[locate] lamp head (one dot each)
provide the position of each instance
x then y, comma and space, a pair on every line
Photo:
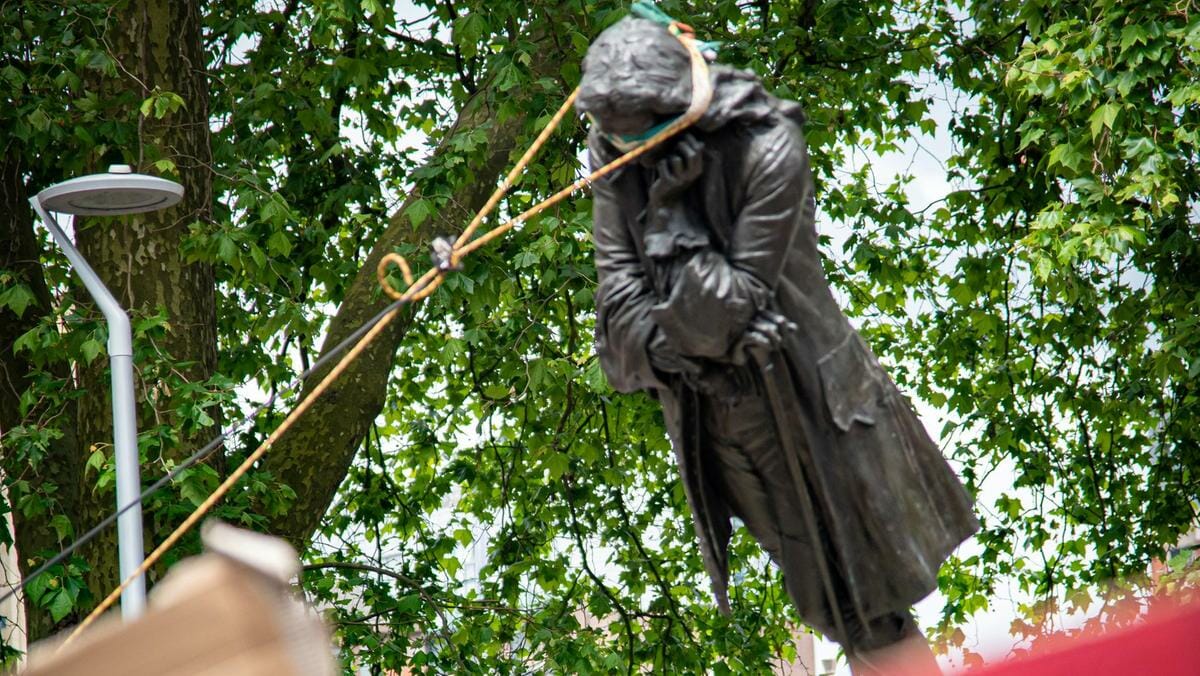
120, 191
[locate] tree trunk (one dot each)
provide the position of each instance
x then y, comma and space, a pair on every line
158, 44
62, 464
315, 454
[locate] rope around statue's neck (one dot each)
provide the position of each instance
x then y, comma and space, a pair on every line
701, 98
425, 285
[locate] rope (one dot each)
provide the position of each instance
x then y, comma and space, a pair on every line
426, 284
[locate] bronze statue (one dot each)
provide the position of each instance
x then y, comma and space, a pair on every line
712, 298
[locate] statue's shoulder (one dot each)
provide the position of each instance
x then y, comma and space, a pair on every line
773, 140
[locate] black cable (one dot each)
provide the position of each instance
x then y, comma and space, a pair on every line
203, 452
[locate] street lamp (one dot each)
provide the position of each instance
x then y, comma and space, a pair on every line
120, 191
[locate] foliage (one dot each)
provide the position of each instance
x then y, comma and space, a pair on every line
1059, 288
508, 512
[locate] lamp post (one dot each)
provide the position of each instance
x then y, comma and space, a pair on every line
120, 191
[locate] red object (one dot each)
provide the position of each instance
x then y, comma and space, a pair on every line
1165, 644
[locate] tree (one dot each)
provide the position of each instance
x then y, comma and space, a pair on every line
1059, 289
137, 95
1055, 288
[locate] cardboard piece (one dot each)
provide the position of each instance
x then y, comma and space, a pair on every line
213, 614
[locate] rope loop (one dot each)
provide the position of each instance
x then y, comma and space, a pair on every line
381, 273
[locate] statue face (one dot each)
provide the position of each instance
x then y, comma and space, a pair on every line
628, 130
624, 122
636, 76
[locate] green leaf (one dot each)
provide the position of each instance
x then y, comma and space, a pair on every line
1066, 156
1103, 117
594, 378
193, 489
38, 587
59, 604
39, 120
257, 255
468, 31
278, 243
464, 536
90, 349
557, 464
1030, 137
1131, 35
166, 103
418, 212
17, 297
62, 527
509, 77
95, 461
226, 249
28, 341
1181, 559
496, 391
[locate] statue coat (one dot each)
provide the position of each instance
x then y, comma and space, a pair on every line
890, 508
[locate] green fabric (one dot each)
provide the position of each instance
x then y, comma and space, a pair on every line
649, 10
629, 141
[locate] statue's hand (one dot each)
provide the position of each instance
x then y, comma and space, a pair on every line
677, 171
766, 331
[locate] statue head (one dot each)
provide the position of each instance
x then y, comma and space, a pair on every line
636, 76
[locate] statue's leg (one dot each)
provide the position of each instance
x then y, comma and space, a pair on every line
895, 646
741, 484
755, 479
752, 474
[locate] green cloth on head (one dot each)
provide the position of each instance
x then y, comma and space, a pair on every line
650, 11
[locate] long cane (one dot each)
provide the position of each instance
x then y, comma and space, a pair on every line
773, 369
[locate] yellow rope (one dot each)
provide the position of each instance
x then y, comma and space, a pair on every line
422, 287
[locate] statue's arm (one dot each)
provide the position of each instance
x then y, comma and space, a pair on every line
779, 201
717, 295
624, 328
